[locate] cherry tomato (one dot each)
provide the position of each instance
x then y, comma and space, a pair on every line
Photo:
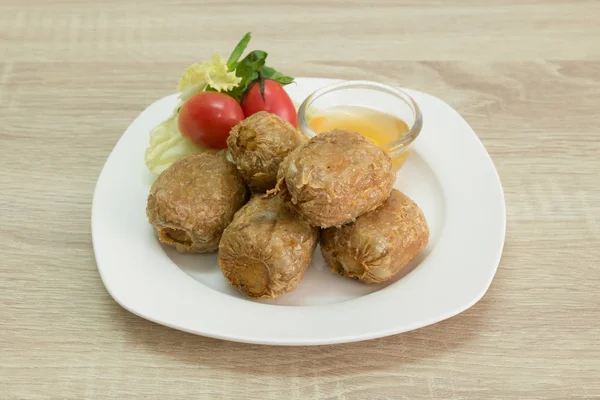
276, 101
207, 117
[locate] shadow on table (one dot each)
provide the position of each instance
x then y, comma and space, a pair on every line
448, 336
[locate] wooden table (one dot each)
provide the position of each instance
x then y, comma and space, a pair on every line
525, 75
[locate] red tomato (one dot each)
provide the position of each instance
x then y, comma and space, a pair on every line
276, 101
207, 117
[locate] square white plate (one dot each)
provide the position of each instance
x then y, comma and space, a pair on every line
449, 174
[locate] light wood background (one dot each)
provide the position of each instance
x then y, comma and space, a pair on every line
525, 75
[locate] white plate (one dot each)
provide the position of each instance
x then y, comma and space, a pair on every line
449, 174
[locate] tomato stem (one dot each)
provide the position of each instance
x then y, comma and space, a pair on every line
261, 85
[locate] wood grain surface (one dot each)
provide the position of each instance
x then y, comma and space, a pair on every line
524, 74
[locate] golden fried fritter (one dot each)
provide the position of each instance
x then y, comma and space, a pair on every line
258, 144
266, 249
380, 243
192, 202
335, 178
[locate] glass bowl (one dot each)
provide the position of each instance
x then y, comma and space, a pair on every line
371, 95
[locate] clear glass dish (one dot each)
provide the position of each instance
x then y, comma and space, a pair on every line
372, 95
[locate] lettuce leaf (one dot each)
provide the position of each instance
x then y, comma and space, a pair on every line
214, 73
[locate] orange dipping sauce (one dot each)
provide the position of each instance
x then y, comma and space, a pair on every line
379, 127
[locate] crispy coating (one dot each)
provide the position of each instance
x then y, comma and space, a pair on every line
266, 249
192, 202
258, 144
336, 177
380, 243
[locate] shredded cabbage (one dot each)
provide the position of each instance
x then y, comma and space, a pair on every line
167, 145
